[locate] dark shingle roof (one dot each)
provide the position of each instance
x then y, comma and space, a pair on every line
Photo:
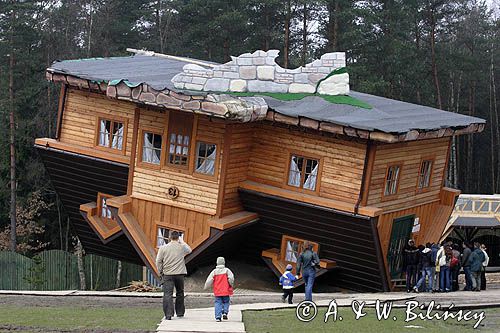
387, 115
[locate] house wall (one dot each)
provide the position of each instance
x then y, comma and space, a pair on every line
196, 192
410, 155
80, 116
341, 166
429, 206
151, 215
240, 140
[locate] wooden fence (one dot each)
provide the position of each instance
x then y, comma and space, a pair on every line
58, 270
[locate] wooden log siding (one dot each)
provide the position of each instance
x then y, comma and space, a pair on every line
342, 168
349, 240
409, 155
81, 111
150, 215
196, 193
240, 146
77, 180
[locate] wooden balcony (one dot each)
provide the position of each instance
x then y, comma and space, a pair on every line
106, 229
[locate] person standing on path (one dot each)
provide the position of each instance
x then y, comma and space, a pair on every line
426, 265
465, 262
286, 282
476, 264
172, 268
410, 263
485, 264
307, 262
222, 280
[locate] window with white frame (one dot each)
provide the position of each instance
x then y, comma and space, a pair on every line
180, 127
392, 179
111, 134
151, 147
163, 235
104, 210
303, 172
205, 158
424, 176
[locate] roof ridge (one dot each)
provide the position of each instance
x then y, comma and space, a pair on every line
168, 56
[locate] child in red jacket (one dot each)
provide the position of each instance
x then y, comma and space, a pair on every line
222, 280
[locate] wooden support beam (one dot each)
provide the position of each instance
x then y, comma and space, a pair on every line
90, 152
133, 152
311, 199
60, 110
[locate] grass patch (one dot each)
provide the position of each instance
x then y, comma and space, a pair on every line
334, 99
79, 318
284, 321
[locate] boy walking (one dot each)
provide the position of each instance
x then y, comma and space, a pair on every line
222, 281
286, 281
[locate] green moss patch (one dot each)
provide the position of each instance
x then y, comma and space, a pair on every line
337, 99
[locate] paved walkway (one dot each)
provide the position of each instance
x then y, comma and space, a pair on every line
202, 320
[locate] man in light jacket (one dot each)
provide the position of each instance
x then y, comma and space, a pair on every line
172, 268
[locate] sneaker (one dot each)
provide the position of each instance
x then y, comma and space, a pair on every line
217, 320
168, 318
415, 290
224, 316
180, 316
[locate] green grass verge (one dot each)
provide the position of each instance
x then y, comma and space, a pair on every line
78, 318
284, 321
334, 99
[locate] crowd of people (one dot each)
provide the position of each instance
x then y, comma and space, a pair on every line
436, 267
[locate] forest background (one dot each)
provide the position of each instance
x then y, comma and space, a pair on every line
440, 53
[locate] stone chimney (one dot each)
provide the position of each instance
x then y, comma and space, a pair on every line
258, 72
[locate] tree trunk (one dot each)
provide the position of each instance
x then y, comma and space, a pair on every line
417, 45
81, 267
266, 42
226, 50
492, 125
304, 35
433, 58
118, 275
13, 185
286, 48
59, 220
333, 8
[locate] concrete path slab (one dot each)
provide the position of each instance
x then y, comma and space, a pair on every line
202, 320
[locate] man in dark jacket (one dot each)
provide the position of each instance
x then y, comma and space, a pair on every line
465, 263
410, 261
426, 264
307, 262
476, 264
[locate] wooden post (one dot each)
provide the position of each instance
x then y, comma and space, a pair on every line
133, 152
225, 160
60, 110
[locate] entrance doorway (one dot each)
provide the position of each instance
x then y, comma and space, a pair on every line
400, 234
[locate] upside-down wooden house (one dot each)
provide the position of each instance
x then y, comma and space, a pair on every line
249, 159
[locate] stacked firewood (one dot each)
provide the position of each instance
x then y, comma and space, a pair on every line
139, 286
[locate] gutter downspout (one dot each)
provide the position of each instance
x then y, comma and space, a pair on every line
363, 179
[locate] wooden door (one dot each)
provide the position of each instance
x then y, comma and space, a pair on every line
401, 232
